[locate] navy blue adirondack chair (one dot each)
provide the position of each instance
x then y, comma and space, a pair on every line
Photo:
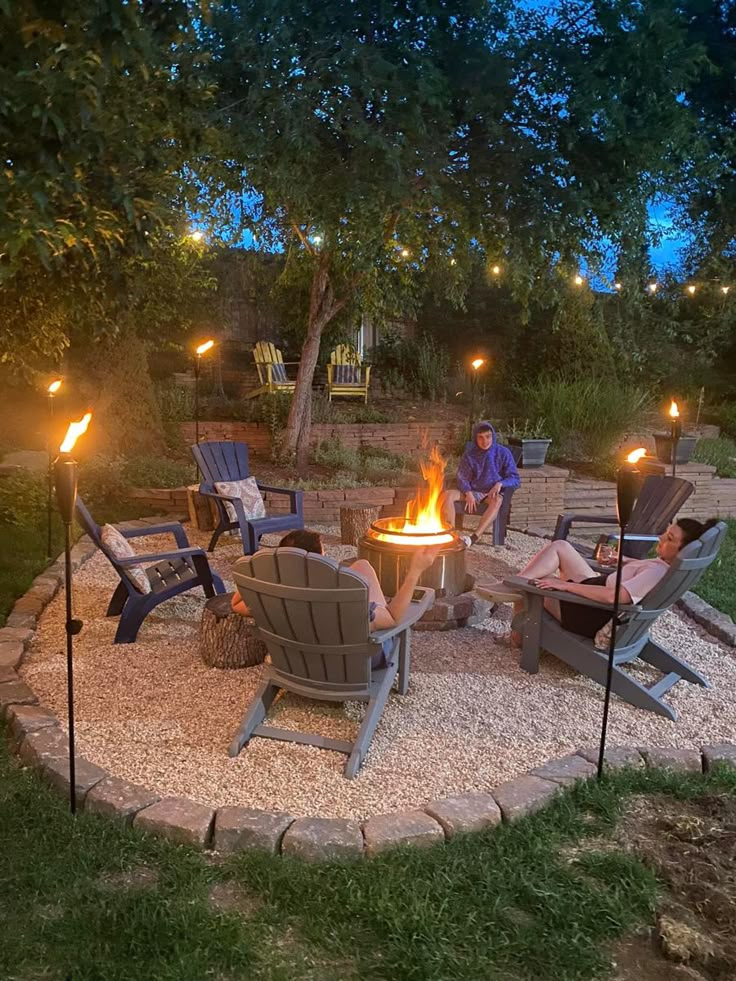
223, 460
169, 573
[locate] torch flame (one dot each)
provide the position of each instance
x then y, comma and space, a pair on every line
636, 455
75, 430
674, 411
423, 518
204, 348
478, 363
54, 387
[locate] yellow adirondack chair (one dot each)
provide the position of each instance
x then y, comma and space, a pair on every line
346, 375
271, 370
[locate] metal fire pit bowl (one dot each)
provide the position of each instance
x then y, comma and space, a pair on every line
446, 575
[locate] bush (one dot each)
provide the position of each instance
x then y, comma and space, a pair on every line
725, 417
153, 471
719, 453
23, 498
106, 480
585, 419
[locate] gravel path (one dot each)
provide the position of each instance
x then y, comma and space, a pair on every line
152, 713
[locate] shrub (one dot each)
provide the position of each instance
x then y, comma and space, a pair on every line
336, 456
23, 498
725, 417
719, 453
152, 471
585, 419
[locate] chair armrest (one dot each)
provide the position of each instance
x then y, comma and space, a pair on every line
524, 586
174, 527
565, 521
417, 609
279, 490
178, 553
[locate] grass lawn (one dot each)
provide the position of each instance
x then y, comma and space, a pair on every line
718, 585
85, 899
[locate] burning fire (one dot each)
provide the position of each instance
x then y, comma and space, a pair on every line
674, 411
636, 455
204, 348
54, 387
423, 519
75, 430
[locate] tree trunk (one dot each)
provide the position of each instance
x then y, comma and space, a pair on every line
322, 308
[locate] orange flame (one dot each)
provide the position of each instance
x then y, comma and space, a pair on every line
674, 411
204, 348
636, 455
54, 387
478, 363
75, 430
423, 518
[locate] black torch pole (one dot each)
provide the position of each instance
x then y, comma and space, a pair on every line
197, 366
676, 433
626, 493
50, 476
65, 471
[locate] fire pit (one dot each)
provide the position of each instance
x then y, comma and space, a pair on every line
389, 543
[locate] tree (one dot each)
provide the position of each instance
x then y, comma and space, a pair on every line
373, 142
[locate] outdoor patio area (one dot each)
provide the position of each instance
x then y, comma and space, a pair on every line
154, 714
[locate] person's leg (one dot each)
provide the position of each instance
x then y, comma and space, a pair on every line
493, 506
558, 559
447, 505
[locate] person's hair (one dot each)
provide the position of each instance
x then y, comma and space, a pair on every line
483, 427
310, 541
692, 529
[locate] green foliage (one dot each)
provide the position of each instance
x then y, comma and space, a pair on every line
718, 585
526, 429
175, 402
725, 416
366, 464
23, 499
585, 419
104, 481
420, 367
719, 453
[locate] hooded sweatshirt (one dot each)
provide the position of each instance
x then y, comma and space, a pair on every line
480, 469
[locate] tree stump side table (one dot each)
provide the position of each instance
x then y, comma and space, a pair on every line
227, 639
355, 520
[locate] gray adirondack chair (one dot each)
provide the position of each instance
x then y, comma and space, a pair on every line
659, 500
540, 630
313, 617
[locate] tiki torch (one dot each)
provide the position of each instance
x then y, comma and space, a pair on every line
51, 391
202, 349
627, 490
65, 474
676, 424
476, 364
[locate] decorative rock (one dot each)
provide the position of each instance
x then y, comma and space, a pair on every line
524, 795
48, 743
25, 719
7, 675
680, 760
18, 635
15, 693
11, 654
719, 753
316, 839
22, 620
714, 621
181, 820
241, 828
55, 770
465, 813
385, 831
566, 770
32, 602
614, 758
116, 798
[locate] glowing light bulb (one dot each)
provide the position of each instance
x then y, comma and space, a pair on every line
652, 287
496, 270
617, 286
691, 289
579, 280
197, 236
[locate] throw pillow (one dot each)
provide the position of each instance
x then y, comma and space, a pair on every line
119, 548
347, 374
248, 492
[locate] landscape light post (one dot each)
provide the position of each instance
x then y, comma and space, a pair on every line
51, 392
627, 491
65, 474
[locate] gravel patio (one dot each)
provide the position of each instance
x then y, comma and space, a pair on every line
153, 713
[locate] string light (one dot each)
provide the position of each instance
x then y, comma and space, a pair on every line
617, 286
652, 287
197, 236
496, 270
579, 280
691, 290
725, 289
405, 253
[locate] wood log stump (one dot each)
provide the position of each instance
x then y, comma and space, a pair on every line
202, 510
227, 639
355, 520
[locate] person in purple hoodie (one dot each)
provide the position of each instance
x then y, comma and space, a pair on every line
485, 471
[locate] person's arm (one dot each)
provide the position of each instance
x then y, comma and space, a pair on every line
389, 615
507, 469
465, 474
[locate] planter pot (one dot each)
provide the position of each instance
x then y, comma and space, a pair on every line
529, 452
685, 448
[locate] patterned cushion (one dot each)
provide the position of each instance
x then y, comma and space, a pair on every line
119, 548
346, 374
248, 492
278, 372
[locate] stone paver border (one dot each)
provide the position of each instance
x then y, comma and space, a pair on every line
37, 738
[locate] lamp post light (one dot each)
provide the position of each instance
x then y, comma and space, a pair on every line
51, 392
676, 432
627, 491
476, 364
65, 474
